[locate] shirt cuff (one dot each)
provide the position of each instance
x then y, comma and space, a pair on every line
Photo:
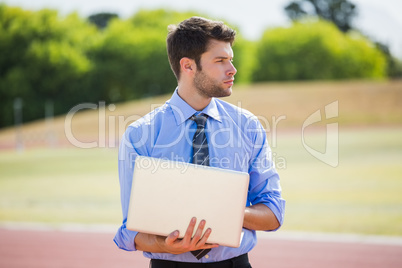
124, 239
278, 212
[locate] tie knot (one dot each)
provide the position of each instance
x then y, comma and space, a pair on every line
201, 119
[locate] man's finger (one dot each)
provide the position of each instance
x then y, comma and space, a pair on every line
189, 232
172, 237
204, 238
198, 233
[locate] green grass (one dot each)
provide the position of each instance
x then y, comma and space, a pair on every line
64, 185
361, 195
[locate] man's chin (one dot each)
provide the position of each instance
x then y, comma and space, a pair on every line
227, 92
223, 94
217, 92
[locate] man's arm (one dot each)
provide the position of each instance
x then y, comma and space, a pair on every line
260, 218
172, 244
267, 211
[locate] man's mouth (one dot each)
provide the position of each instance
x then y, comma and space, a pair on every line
229, 82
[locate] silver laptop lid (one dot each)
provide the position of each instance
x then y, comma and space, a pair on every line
166, 194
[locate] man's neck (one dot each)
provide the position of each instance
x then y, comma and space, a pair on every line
193, 98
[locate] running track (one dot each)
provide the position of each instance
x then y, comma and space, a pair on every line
52, 248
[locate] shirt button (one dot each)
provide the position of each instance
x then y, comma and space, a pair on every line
207, 256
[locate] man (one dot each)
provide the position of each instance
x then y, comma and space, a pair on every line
200, 55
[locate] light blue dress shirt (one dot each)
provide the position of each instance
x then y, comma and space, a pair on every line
236, 140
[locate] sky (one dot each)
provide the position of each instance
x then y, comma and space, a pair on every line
378, 19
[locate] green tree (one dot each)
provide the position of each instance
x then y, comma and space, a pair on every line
43, 58
340, 12
69, 60
159, 19
394, 65
130, 63
101, 20
316, 50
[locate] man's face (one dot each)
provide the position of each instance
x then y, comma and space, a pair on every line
217, 74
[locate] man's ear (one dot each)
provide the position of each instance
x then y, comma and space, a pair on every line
188, 65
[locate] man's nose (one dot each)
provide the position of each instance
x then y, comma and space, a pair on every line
232, 70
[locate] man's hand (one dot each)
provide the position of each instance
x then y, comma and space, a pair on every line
172, 244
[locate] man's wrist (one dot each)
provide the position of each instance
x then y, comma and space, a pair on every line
159, 241
149, 243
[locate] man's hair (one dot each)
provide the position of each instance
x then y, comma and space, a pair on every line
191, 37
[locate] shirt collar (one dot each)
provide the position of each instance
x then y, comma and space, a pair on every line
183, 111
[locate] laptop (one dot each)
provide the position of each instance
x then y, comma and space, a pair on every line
166, 194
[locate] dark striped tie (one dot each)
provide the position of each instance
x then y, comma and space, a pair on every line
200, 144
200, 157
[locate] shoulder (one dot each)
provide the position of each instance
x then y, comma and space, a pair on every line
245, 121
138, 134
152, 118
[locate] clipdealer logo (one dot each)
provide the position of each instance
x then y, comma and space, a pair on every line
331, 154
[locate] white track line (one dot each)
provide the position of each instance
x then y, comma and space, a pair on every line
63, 227
279, 235
332, 237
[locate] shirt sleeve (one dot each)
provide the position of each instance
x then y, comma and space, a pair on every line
264, 185
128, 151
